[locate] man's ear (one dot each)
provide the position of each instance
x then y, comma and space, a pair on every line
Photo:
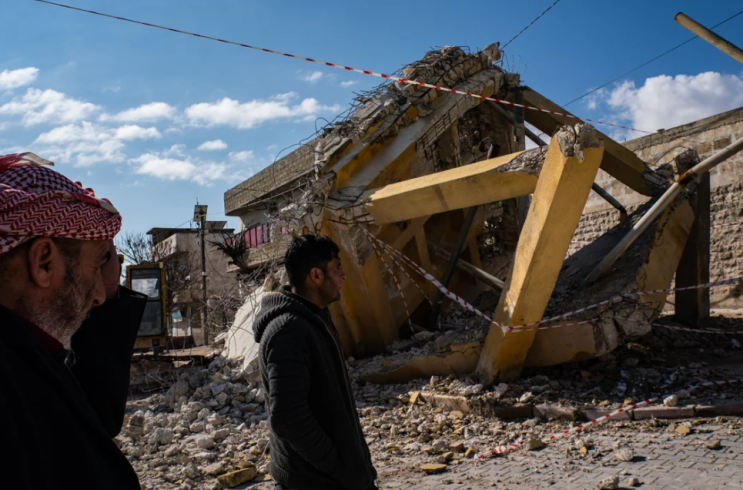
317, 276
45, 263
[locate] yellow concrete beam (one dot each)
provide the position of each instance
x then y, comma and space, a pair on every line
556, 208
456, 188
619, 162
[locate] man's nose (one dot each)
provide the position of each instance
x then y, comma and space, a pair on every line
99, 292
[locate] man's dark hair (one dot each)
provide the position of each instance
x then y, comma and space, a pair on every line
306, 252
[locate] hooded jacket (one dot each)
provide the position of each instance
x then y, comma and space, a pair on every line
316, 438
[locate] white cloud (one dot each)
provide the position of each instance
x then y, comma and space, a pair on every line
87, 144
313, 77
133, 132
247, 115
11, 79
349, 83
163, 167
212, 145
665, 101
84, 144
71, 133
48, 106
153, 111
175, 150
166, 168
241, 156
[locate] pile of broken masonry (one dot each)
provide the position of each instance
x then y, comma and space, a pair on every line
210, 429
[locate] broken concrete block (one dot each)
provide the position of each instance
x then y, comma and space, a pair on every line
214, 468
457, 447
534, 444
432, 469
235, 478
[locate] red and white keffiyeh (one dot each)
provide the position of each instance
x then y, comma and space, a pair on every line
35, 200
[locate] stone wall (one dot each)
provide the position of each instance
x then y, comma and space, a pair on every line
706, 136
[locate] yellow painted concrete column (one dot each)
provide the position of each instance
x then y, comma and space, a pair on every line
557, 205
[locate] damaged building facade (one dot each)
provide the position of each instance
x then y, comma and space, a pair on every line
180, 251
445, 180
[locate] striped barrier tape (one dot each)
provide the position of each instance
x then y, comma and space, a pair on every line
508, 329
732, 223
499, 450
397, 283
433, 280
410, 278
342, 67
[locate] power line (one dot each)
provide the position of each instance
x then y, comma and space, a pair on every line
342, 67
648, 62
530, 24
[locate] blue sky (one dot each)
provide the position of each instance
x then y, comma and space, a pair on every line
155, 120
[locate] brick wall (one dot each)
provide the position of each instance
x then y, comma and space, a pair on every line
706, 136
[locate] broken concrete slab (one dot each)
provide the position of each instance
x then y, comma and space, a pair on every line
458, 359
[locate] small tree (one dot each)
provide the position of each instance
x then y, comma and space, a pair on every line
235, 248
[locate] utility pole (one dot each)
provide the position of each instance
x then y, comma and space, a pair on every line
715, 40
199, 216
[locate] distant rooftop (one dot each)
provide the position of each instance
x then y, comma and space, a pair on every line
160, 234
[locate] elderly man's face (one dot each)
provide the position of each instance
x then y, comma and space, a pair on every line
72, 283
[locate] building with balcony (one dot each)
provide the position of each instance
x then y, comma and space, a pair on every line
180, 251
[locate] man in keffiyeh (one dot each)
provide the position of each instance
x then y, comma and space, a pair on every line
67, 332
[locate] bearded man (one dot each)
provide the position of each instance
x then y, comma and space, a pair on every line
64, 354
316, 438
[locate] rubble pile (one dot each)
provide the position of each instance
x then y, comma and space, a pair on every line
659, 363
409, 438
209, 430
210, 424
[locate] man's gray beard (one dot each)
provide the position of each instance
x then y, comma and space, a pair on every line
63, 315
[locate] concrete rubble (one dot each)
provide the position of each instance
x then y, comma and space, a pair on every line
210, 429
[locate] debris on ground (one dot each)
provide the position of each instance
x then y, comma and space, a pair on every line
610, 483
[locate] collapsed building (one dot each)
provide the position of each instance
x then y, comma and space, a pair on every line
447, 181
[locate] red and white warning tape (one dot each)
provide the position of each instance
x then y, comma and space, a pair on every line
732, 223
397, 283
404, 271
342, 67
513, 328
512, 447
420, 270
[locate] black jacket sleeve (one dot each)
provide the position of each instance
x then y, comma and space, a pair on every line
101, 353
288, 371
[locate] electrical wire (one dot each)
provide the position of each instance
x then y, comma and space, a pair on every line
530, 24
335, 65
648, 62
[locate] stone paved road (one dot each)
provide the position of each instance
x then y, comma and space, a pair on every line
662, 461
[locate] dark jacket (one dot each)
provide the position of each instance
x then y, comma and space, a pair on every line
61, 410
316, 437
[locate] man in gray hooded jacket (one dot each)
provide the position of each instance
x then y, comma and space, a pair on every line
316, 438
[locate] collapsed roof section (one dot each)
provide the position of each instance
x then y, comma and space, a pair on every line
379, 114
408, 163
